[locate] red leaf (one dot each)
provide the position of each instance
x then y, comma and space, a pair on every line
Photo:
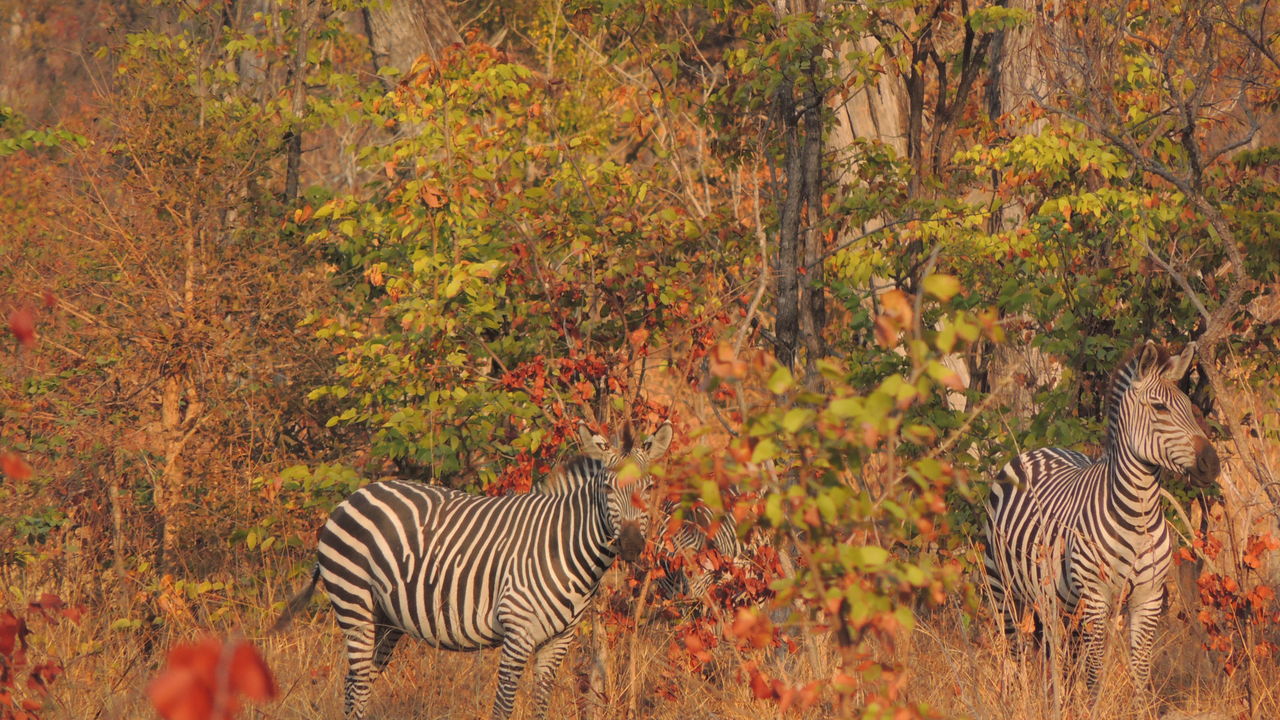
73, 613
14, 466
43, 675
197, 675
50, 300
22, 323
13, 633
46, 603
250, 675
180, 693
761, 686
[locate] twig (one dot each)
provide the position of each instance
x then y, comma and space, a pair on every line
741, 335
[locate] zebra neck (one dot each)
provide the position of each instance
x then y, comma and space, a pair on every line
1134, 486
596, 533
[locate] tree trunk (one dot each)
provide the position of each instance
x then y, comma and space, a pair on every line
800, 313
298, 73
402, 30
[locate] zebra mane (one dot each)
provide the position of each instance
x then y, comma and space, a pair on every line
570, 476
1139, 362
1129, 370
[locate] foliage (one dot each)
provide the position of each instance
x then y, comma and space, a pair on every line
247, 278
24, 684
504, 267
1239, 620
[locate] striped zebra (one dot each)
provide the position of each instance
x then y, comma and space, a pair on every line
466, 572
691, 561
1067, 533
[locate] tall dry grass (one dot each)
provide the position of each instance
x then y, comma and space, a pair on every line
956, 666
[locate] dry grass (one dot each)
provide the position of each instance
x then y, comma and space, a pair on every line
956, 669
973, 673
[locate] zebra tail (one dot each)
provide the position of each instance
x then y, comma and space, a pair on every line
297, 604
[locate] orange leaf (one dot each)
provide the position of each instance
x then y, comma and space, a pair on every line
199, 676
250, 675
897, 305
22, 323
725, 364
638, 337
14, 466
432, 196
886, 331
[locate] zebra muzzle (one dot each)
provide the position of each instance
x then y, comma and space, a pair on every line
630, 541
1207, 466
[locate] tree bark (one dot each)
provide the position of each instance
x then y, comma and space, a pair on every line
298, 104
400, 31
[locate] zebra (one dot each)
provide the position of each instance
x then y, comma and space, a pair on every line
1089, 533
684, 567
466, 572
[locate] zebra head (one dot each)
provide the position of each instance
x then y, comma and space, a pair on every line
1156, 421
627, 464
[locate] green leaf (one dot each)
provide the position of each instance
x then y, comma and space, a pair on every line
773, 510
797, 418
943, 287
866, 557
781, 381
766, 449
709, 491
846, 407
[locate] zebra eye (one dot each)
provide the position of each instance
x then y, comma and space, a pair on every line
1159, 407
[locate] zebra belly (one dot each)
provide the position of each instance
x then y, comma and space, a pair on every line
1029, 550
443, 616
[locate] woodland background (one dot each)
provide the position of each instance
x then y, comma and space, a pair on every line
258, 253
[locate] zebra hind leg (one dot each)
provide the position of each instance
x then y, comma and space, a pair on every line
544, 671
360, 631
385, 639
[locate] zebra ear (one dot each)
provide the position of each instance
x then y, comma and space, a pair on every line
593, 445
656, 444
1180, 364
1150, 361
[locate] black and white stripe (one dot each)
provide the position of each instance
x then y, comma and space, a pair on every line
465, 572
1067, 533
695, 560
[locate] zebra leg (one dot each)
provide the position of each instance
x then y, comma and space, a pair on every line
385, 639
1143, 618
544, 671
360, 632
516, 651
1094, 628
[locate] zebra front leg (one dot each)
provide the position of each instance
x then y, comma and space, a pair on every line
1143, 618
516, 651
544, 670
1095, 634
